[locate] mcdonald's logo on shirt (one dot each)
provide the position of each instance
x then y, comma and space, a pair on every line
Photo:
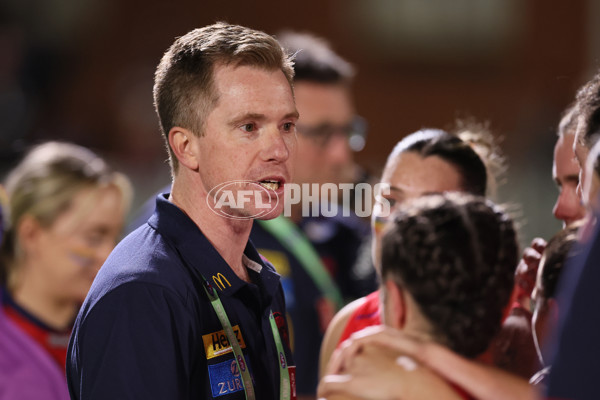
220, 281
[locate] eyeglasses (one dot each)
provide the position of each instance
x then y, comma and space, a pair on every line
355, 131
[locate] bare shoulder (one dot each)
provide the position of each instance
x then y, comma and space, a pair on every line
334, 332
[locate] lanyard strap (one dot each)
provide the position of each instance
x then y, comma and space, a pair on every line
290, 236
284, 373
233, 342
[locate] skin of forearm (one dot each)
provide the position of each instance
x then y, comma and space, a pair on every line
481, 381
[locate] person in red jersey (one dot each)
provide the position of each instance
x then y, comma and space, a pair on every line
427, 161
447, 263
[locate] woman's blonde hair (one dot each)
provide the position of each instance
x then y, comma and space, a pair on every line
43, 186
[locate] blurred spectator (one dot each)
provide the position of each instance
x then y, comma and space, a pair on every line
565, 170
575, 354
513, 350
66, 212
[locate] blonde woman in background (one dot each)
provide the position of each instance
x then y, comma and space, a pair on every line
66, 211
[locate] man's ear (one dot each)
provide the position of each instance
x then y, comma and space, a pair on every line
395, 310
182, 143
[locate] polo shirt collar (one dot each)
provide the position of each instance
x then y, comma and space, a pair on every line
201, 256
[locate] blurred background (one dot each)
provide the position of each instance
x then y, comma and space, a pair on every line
82, 70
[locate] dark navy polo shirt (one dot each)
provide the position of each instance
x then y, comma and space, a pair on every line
148, 331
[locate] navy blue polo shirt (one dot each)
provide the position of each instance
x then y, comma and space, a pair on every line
148, 331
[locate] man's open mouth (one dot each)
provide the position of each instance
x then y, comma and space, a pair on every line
270, 184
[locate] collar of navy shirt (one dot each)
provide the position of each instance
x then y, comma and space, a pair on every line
203, 259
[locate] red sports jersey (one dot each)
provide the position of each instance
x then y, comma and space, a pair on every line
54, 342
367, 314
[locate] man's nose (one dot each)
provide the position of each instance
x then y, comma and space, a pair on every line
277, 145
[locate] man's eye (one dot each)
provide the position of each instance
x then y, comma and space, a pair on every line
288, 126
248, 127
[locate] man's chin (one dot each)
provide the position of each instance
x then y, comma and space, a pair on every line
267, 211
267, 217
270, 214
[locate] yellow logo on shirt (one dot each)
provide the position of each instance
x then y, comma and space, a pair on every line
216, 344
218, 280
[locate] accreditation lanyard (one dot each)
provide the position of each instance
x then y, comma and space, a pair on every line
284, 373
294, 240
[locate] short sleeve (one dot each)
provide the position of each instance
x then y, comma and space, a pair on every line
134, 343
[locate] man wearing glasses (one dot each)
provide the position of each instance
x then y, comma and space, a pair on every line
317, 255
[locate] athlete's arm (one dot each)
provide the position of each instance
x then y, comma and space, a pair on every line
481, 381
376, 373
334, 333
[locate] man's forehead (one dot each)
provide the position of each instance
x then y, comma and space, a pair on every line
323, 103
224, 73
246, 87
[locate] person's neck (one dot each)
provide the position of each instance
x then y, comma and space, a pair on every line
33, 294
419, 330
415, 323
228, 236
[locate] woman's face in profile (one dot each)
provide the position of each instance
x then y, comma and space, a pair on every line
68, 254
409, 176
